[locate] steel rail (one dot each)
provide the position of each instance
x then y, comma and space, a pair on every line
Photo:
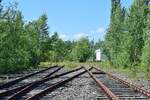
55, 86
13, 82
13, 90
135, 87
16, 89
109, 93
9, 92
27, 89
98, 73
51, 73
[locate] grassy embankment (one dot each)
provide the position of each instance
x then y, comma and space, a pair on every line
130, 72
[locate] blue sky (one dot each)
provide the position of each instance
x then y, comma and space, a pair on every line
72, 19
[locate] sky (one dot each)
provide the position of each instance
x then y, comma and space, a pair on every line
72, 19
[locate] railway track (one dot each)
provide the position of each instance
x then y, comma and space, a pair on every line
117, 89
51, 79
25, 91
15, 81
16, 85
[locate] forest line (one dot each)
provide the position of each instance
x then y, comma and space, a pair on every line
24, 44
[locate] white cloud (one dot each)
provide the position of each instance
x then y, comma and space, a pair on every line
100, 30
80, 35
97, 33
63, 36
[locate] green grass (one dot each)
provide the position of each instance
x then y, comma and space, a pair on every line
67, 65
105, 66
134, 73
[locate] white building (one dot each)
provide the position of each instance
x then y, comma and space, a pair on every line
98, 55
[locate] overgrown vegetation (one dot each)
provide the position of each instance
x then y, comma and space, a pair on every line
25, 45
21, 44
127, 41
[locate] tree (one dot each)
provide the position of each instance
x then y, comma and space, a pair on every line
82, 51
43, 38
146, 49
21, 44
43, 28
54, 47
13, 54
59, 48
124, 41
68, 46
99, 44
136, 24
115, 32
33, 43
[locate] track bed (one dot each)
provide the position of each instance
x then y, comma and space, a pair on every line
82, 83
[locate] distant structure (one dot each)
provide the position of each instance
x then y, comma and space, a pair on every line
99, 55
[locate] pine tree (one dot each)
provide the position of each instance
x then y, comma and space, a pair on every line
42, 28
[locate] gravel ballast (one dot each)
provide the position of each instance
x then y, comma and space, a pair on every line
83, 88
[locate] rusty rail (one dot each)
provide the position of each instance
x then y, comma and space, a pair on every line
13, 82
109, 93
27, 89
136, 88
55, 86
16, 89
13, 90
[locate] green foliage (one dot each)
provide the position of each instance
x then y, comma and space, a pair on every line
99, 44
13, 53
26, 44
136, 25
43, 36
82, 50
146, 49
124, 40
22, 45
115, 34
